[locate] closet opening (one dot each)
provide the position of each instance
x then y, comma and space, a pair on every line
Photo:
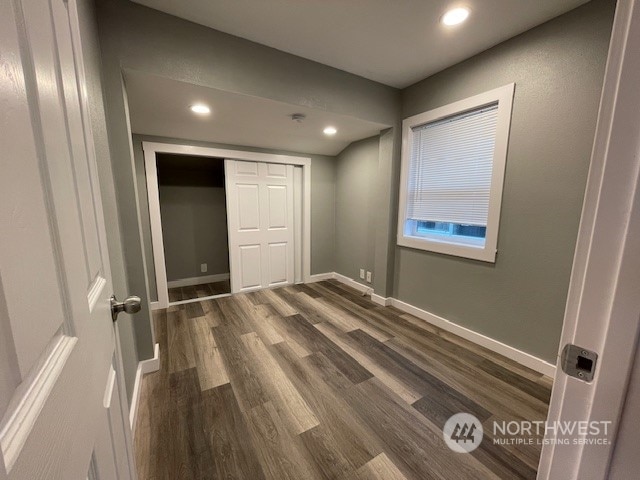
224, 221
193, 212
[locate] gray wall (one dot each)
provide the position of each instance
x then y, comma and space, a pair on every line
193, 208
91, 50
126, 192
323, 172
136, 37
154, 42
558, 69
385, 212
366, 209
357, 167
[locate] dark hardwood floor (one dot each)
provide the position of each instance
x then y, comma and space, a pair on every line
317, 382
177, 294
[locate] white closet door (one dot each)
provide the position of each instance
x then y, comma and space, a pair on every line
260, 215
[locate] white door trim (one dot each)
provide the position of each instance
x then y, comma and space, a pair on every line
298, 202
603, 302
145, 366
152, 148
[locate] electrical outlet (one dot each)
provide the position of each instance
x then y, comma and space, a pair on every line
362, 273
203, 267
368, 277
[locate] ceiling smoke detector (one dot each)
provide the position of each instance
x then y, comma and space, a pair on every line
298, 117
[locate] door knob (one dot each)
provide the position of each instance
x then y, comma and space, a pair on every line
130, 305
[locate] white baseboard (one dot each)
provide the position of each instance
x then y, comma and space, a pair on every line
384, 301
320, 277
352, 283
189, 282
512, 353
144, 367
342, 279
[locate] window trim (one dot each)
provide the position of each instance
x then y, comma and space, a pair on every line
487, 253
451, 239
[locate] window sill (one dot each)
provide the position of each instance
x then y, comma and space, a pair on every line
449, 239
465, 250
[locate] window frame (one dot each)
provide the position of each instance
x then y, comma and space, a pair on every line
451, 238
487, 253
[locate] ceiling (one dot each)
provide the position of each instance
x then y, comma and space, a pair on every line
160, 106
395, 42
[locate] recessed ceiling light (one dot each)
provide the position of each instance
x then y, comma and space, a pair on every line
330, 131
455, 16
200, 109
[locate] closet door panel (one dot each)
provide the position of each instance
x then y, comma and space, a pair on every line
260, 206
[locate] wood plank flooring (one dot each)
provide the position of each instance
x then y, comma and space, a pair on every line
177, 294
317, 382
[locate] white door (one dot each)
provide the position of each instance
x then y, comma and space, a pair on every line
61, 409
603, 305
260, 217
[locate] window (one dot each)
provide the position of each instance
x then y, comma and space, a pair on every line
453, 163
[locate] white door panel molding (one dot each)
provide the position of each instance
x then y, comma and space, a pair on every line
260, 213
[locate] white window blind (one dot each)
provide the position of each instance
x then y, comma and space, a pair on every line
450, 168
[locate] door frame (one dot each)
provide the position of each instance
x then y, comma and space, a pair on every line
151, 149
603, 305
